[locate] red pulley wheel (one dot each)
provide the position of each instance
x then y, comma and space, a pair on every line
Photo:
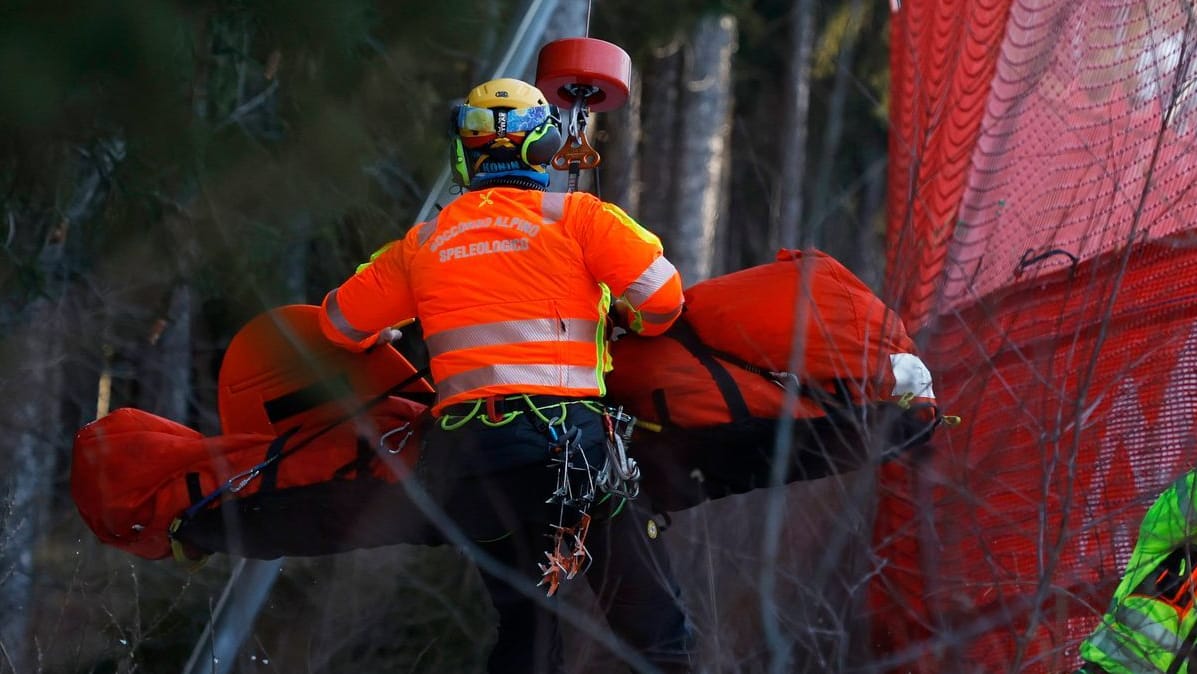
588, 62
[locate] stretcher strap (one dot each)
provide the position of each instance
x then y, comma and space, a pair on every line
684, 333
278, 450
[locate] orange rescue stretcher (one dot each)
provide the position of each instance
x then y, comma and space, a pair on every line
319, 445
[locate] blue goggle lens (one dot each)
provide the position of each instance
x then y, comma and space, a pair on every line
484, 121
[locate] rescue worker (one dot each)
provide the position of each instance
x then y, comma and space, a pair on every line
513, 286
1148, 626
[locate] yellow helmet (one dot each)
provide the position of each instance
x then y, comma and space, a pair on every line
505, 92
504, 133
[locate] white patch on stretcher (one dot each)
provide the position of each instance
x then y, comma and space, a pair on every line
910, 376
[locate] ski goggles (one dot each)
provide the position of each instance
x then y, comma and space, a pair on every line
480, 126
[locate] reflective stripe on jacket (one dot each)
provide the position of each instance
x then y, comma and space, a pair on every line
1151, 614
512, 288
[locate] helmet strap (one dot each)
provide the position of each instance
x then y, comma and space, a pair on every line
520, 182
458, 164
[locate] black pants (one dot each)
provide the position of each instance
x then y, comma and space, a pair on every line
494, 481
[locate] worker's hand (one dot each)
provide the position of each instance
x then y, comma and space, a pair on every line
389, 335
621, 311
617, 318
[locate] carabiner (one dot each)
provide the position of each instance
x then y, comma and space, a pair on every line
382, 440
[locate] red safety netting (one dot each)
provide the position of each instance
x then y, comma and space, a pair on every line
1042, 245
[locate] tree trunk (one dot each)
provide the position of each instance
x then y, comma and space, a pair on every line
619, 174
659, 142
164, 368
787, 196
867, 254
30, 419
299, 241
32, 416
838, 242
702, 159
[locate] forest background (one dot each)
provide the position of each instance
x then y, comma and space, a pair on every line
168, 170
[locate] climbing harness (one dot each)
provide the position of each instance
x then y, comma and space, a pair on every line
579, 484
486, 412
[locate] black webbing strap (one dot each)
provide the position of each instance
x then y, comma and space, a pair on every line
804, 390
269, 473
279, 451
661, 406
684, 333
306, 398
195, 492
709, 356
360, 464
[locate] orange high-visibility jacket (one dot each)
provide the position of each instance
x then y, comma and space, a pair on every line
512, 288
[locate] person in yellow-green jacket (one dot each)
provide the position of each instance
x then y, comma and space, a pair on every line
1148, 626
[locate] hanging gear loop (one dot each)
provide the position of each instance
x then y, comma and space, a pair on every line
575, 492
620, 475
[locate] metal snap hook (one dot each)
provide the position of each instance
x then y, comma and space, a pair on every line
382, 440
